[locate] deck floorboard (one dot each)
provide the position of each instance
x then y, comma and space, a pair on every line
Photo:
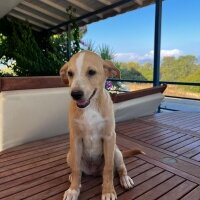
170, 170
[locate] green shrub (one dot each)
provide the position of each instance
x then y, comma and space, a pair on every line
36, 54
105, 52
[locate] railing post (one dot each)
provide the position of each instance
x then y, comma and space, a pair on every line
157, 43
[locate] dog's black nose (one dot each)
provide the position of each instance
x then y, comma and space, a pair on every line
77, 94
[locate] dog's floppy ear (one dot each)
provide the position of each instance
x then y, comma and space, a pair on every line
110, 69
63, 73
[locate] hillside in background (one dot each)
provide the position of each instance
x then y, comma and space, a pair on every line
181, 69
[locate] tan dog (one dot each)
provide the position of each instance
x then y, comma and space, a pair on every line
93, 148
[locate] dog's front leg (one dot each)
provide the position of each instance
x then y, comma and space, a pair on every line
76, 153
108, 192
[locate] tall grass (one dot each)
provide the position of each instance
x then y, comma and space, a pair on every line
106, 52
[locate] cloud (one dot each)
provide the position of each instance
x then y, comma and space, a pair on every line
126, 57
148, 57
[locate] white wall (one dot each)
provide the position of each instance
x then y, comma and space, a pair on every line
138, 107
28, 115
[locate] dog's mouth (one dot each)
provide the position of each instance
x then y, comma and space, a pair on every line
84, 103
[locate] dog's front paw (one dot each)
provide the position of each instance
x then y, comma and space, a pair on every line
71, 194
109, 196
126, 182
109, 193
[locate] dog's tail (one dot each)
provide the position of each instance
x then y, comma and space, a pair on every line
132, 152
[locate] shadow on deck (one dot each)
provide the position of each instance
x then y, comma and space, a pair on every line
170, 170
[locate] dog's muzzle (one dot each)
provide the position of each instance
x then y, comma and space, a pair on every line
82, 103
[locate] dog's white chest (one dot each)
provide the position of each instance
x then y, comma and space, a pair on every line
91, 125
91, 121
93, 118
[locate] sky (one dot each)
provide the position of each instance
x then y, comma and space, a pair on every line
131, 35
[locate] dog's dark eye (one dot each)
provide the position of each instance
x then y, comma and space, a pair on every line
91, 72
70, 74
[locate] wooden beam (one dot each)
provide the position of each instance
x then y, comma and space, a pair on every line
34, 27
60, 8
139, 2
34, 16
84, 7
42, 10
106, 2
30, 21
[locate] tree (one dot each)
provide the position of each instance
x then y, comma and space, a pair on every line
129, 71
176, 69
35, 53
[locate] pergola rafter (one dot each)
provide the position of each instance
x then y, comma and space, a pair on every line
51, 13
60, 8
106, 2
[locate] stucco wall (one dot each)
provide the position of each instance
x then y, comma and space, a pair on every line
138, 107
27, 115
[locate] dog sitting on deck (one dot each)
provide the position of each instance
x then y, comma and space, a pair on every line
93, 148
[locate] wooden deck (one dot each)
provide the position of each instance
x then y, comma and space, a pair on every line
169, 171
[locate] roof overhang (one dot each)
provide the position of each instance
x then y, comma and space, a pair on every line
50, 15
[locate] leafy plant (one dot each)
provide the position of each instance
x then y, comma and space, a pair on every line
5, 74
106, 52
35, 53
74, 34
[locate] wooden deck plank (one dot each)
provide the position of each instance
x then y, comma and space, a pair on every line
169, 170
161, 138
94, 193
149, 135
193, 195
34, 174
188, 131
191, 170
95, 189
188, 147
42, 159
179, 191
169, 139
40, 153
182, 144
175, 141
161, 188
20, 156
37, 144
41, 184
197, 157
146, 186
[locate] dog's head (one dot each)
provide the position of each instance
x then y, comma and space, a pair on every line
86, 73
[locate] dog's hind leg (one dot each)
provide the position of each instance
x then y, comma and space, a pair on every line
125, 180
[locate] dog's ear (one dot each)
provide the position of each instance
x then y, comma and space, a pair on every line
63, 73
110, 69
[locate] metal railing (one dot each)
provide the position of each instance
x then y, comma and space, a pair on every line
163, 82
